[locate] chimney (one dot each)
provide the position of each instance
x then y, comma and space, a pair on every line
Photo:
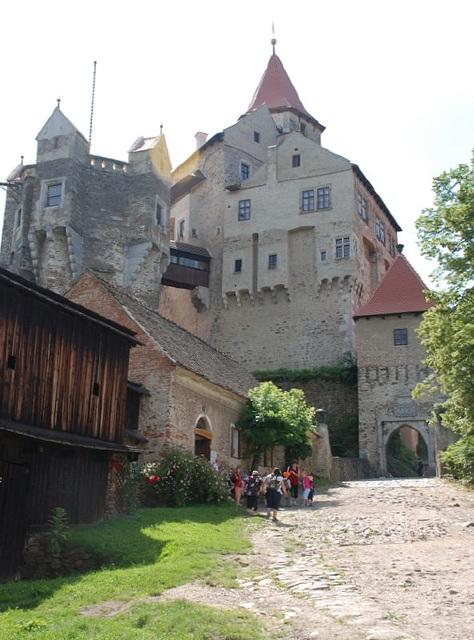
201, 138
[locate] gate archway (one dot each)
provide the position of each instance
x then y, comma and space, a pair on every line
415, 435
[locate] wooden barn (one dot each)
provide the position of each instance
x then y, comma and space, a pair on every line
63, 413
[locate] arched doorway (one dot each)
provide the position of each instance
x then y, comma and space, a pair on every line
406, 453
203, 438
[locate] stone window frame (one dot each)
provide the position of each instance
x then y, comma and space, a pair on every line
362, 207
163, 217
244, 171
307, 200
44, 194
342, 246
400, 337
238, 265
323, 196
235, 442
245, 208
273, 260
380, 229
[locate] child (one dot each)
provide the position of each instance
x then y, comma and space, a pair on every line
307, 487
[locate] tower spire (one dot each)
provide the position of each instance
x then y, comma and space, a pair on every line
273, 40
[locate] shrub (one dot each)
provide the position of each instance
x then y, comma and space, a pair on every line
181, 479
57, 532
458, 460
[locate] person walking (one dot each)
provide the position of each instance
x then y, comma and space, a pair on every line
307, 486
294, 478
237, 482
253, 485
274, 488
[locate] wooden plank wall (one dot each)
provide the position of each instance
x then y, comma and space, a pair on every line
56, 360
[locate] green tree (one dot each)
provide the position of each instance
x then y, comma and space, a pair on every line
273, 417
446, 233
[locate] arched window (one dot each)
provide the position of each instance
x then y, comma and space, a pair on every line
203, 438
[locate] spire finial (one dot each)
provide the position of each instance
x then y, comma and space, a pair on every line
161, 128
59, 102
22, 158
273, 40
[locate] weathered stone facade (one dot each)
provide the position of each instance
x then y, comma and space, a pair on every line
73, 211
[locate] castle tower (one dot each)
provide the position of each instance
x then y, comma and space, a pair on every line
299, 237
73, 211
390, 357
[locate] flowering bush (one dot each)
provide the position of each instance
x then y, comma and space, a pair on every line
181, 479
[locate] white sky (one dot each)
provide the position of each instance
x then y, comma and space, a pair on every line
392, 82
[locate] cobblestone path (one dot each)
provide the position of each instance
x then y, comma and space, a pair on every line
379, 560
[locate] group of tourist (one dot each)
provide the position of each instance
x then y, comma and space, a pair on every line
273, 486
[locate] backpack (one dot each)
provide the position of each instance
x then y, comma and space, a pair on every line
273, 483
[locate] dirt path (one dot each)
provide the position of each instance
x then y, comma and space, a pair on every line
372, 560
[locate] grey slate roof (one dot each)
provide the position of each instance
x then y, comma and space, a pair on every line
185, 349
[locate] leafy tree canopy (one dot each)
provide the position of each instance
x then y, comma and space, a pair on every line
273, 417
446, 233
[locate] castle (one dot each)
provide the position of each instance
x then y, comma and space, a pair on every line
263, 243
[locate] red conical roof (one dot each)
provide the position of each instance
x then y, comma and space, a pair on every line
401, 291
277, 91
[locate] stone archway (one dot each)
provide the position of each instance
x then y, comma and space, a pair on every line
416, 431
203, 437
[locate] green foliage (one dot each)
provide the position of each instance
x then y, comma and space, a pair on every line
344, 371
273, 417
446, 233
344, 435
57, 531
181, 479
401, 461
458, 460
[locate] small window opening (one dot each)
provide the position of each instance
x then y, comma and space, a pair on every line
272, 261
296, 160
238, 265
11, 362
256, 136
95, 389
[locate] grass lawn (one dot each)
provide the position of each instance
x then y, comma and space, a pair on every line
149, 552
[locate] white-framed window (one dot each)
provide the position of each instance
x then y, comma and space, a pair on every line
52, 192
362, 207
323, 198
244, 171
235, 442
272, 261
343, 247
244, 209
380, 229
238, 263
307, 200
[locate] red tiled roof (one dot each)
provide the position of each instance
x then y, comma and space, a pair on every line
401, 291
277, 91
